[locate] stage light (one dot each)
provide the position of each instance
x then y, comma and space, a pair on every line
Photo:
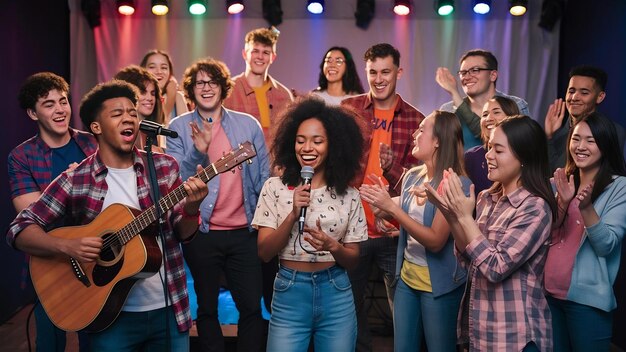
315, 6
518, 7
91, 10
402, 7
364, 13
126, 7
234, 6
482, 7
159, 7
197, 7
444, 7
551, 12
272, 12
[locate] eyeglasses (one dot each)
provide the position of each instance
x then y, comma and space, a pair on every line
338, 61
212, 84
474, 71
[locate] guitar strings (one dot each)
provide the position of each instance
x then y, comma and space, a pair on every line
149, 214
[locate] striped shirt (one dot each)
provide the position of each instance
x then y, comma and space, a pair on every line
76, 198
504, 307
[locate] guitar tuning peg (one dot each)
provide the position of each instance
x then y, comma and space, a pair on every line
233, 171
240, 167
249, 161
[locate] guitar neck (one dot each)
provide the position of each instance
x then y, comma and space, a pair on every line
147, 217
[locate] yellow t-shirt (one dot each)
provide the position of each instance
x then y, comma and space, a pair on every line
264, 107
381, 134
416, 276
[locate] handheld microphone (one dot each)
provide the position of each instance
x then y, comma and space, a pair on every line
307, 174
151, 127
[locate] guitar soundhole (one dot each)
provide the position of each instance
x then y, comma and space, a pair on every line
110, 261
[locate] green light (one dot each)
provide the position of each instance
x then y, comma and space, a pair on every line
197, 7
444, 7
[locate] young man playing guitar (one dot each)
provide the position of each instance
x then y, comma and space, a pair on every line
116, 173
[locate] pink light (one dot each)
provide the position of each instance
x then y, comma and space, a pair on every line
235, 8
126, 10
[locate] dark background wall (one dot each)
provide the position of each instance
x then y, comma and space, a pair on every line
34, 36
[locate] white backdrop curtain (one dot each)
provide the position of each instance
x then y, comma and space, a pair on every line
527, 54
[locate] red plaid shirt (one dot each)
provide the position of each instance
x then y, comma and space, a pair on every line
76, 198
405, 121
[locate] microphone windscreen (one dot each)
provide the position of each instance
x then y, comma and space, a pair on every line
306, 172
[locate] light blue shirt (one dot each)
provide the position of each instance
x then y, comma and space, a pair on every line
598, 258
239, 128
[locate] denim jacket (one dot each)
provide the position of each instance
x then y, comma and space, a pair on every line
239, 127
445, 272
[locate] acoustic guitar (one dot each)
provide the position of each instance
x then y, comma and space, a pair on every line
89, 296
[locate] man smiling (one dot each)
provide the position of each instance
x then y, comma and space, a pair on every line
478, 74
387, 155
225, 241
255, 91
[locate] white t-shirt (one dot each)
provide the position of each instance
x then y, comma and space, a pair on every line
146, 294
341, 217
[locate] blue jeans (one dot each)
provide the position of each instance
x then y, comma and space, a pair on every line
578, 327
417, 314
140, 331
381, 250
317, 304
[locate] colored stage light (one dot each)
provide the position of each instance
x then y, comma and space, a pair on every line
197, 7
444, 7
482, 7
272, 12
234, 6
364, 13
126, 7
159, 7
402, 7
518, 7
315, 6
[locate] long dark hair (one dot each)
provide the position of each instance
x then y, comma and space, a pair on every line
612, 159
529, 145
447, 129
350, 81
345, 141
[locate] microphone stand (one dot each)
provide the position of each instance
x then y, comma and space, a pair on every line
156, 197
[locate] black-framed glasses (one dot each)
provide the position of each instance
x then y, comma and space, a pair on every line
212, 84
338, 61
474, 71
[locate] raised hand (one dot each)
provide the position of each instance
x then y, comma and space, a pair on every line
201, 137
564, 186
385, 156
554, 117
376, 194
446, 80
319, 239
584, 196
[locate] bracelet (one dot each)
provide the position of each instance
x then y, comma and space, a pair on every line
190, 216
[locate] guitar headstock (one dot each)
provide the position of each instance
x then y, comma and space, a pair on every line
244, 152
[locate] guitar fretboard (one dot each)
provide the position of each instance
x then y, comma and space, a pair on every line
122, 236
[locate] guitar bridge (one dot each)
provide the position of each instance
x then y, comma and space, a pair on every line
80, 274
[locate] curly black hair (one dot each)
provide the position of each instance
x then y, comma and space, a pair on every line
38, 86
344, 131
91, 105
